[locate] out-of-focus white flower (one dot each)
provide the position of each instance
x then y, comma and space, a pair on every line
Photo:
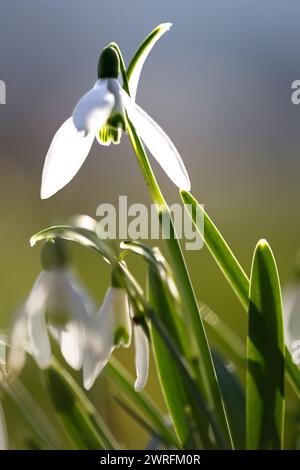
141, 357
3, 432
57, 302
101, 113
111, 328
291, 309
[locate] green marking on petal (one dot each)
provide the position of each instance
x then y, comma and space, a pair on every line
109, 134
121, 336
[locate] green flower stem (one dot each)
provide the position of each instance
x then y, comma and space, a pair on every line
208, 375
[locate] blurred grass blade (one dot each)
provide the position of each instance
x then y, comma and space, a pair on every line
138, 60
116, 373
221, 252
223, 337
265, 354
78, 415
140, 420
233, 272
32, 413
234, 399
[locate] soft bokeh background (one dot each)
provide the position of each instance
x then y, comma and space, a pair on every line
219, 83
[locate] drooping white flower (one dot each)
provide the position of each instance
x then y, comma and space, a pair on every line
3, 432
108, 329
111, 328
57, 302
101, 113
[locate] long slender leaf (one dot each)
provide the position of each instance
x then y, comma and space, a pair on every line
169, 375
265, 353
138, 60
221, 252
232, 271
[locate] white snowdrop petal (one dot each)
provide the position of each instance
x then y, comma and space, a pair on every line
102, 331
91, 371
291, 309
72, 344
94, 108
159, 144
119, 306
39, 340
3, 431
67, 153
141, 358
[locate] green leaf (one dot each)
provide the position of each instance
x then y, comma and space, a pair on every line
141, 402
265, 354
221, 252
79, 417
138, 60
83, 236
169, 375
232, 271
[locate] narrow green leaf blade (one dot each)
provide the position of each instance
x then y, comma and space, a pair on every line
218, 247
265, 353
232, 271
138, 60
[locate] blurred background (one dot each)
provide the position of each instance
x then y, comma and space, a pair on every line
219, 83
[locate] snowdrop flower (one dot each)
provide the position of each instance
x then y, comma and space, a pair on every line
58, 303
3, 432
111, 328
101, 113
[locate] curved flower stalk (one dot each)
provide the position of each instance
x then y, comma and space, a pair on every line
101, 113
111, 328
3, 432
57, 302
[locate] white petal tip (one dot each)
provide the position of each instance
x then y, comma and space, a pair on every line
138, 387
166, 26
45, 194
87, 384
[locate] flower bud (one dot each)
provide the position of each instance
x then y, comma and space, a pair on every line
109, 64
